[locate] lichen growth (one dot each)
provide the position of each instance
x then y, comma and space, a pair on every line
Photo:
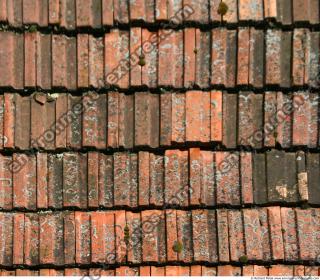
177, 247
32, 28
222, 9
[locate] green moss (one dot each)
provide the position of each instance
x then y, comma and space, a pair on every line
142, 61
177, 247
243, 259
222, 9
126, 234
32, 28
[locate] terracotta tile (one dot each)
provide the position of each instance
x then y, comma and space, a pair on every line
289, 233
142, 10
253, 234
54, 11
147, 119
170, 65
273, 57
209, 271
93, 179
303, 187
247, 270
284, 119
2, 110
127, 271
286, 53
105, 180
236, 235
96, 66
136, 58
197, 116
205, 248
3, 10
94, 133
42, 180
107, 12
156, 169
165, 119
243, 56
6, 238
44, 60
69, 237
177, 271
102, 237
306, 234
121, 11
195, 173
257, 50
83, 60
202, 56
68, 14
35, 12
184, 233
260, 270
51, 239
75, 180
144, 177
229, 137
201, 10
172, 235
232, 14
153, 236
161, 10
265, 234
125, 179
270, 119
223, 235
55, 180
116, 59
228, 270
64, 62
190, 53
121, 241
22, 122
227, 178
312, 56
246, 174
74, 128
6, 189
8, 272
134, 249
250, 119
168, 10
126, 120
18, 238
251, 10
300, 10
157, 271
312, 271
176, 177
26, 272
24, 182
83, 242
14, 12
145, 271
31, 239
216, 116
270, 9
259, 178
30, 62
75, 272
8, 121
274, 218
61, 121
300, 36
42, 122
281, 270
305, 128
214, 6
218, 56
149, 47
88, 13
178, 132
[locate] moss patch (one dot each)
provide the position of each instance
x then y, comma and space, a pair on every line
177, 247
222, 9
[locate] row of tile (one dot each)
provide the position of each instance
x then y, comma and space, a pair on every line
72, 14
165, 58
194, 270
116, 120
177, 178
160, 236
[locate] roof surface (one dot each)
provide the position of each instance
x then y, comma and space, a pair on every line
159, 137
